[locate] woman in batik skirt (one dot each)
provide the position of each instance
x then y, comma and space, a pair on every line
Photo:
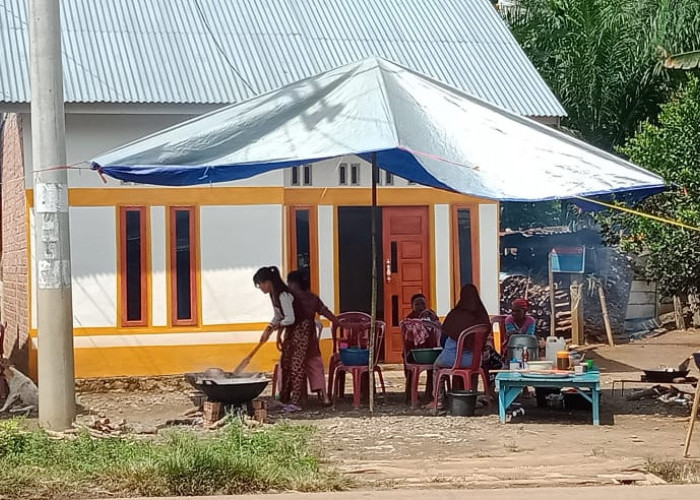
295, 333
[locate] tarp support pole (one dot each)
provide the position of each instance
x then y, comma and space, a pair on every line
375, 285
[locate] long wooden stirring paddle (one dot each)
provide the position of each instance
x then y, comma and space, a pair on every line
241, 366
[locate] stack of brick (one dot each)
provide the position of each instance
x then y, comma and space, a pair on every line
15, 277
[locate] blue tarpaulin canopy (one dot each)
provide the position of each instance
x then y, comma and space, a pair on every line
419, 128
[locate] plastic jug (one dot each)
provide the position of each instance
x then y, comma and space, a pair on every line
553, 346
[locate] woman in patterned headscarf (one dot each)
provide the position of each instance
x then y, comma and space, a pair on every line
518, 321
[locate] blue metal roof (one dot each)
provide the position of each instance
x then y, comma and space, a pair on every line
225, 51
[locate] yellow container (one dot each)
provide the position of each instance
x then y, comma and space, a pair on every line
563, 360
497, 337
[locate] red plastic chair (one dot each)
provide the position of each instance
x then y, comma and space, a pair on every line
277, 371
411, 369
351, 326
467, 375
357, 372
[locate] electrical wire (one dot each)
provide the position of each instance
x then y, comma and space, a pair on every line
221, 50
638, 213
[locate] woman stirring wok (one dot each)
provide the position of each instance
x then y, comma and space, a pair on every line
299, 332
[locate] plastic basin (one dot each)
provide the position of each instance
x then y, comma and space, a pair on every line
426, 356
539, 365
354, 356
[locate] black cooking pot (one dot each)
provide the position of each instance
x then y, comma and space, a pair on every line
228, 388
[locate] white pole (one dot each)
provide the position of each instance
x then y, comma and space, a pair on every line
52, 235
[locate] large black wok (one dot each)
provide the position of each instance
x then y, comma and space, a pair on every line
228, 388
664, 376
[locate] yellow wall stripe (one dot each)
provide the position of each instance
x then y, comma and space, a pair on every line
275, 195
170, 360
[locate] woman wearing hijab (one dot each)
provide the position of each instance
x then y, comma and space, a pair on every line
468, 312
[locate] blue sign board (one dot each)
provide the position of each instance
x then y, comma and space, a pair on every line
568, 260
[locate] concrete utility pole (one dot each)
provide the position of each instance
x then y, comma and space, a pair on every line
52, 235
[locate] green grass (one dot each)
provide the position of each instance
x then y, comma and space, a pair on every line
676, 471
238, 460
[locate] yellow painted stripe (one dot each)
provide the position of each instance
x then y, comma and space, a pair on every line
390, 196
265, 195
173, 339
170, 360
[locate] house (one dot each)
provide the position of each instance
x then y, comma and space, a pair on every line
162, 277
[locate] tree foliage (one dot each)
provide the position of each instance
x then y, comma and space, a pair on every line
603, 57
671, 148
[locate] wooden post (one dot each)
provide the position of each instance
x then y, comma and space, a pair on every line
678, 309
694, 304
576, 313
604, 308
553, 320
693, 418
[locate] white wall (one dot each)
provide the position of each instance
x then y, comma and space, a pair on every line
326, 256
326, 173
93, 264
443, 263
489, 257
159, 284
88, 135
234, 243
93, 242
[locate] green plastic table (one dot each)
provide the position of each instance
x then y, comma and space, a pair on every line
510, 385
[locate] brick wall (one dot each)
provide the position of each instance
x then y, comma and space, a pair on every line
15, 281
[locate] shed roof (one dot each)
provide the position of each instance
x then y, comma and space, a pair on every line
226, 51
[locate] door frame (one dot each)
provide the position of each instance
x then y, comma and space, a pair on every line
313, 242
427, 235
455, 257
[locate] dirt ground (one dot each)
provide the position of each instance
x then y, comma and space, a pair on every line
400, 446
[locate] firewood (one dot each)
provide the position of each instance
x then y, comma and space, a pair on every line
193, 412
655, 391
218, 424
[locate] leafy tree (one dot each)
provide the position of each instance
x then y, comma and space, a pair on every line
671, 148
602, 57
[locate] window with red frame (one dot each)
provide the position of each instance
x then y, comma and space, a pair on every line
133, 273
183, 266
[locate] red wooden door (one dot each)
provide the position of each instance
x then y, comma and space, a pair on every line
406, 269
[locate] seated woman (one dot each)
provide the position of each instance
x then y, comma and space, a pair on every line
420, 335
518, 320
420, 309
468, 312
